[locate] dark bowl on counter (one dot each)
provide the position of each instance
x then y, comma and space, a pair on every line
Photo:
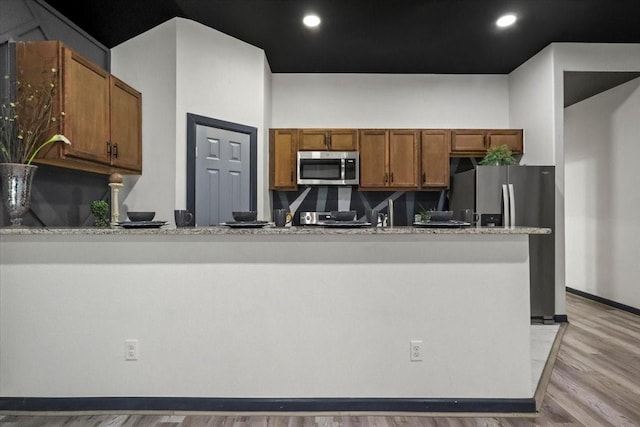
343, 215
440, 215
245, 216
137, 216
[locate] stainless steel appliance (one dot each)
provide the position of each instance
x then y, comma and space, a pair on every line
516, 196
328, 168
314, 218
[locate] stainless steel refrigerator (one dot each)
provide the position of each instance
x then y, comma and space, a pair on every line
519, 196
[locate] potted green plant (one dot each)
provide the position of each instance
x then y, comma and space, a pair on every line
100, 211
498, 156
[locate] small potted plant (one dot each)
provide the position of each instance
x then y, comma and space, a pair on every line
100, 211
498, 156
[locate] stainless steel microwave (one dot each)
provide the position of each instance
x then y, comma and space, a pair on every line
328, 168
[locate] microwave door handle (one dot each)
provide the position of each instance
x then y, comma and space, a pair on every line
506, 220
342, 168
512, 205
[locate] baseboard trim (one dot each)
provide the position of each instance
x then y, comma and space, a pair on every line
605, 301
74, 404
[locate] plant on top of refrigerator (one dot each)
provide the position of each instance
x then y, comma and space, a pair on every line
498, 156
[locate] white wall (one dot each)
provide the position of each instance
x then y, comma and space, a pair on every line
184, 67
530, 87
584, 57
390, 101
152, 71
223, 78
601, 137
537, 104
227, 315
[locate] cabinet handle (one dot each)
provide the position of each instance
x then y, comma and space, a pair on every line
115, 150
424, 178
109, 148
391, 176
385, 178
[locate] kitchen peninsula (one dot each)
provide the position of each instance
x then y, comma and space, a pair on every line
271, 319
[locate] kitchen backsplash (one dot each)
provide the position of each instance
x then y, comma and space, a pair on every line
330, 198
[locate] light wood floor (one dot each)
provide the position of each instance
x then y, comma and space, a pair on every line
595, 382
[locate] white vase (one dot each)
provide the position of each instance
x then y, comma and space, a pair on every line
15, 179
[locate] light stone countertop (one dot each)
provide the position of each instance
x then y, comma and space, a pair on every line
268, 230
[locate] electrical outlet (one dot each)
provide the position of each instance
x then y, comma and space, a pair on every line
131, 350
416, 351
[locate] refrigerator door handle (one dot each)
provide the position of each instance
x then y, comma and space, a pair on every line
506, 219
512, 206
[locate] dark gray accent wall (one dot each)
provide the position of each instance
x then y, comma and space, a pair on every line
61, 197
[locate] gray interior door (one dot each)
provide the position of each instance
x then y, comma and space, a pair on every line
222, 174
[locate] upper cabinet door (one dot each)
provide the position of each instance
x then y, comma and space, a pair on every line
403, 158
343, 140
435, 158
468, 140
512, 138
313, 140
126, 129
283, 146
374, 159
86, 107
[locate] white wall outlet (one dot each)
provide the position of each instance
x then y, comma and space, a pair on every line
416, 351
131, 350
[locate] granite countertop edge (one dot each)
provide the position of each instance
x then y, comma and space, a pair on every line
268, 230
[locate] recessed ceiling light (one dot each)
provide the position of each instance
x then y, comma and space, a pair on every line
311, 20
506, 20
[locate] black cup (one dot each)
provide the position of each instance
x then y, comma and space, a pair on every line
183, 218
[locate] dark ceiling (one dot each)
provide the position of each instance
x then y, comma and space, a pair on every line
376, 36
385, 36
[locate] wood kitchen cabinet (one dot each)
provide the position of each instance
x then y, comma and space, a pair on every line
434, 158
512, 138
388, 159
328, 139
283, 148
126, 125
102, 114
475, 142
